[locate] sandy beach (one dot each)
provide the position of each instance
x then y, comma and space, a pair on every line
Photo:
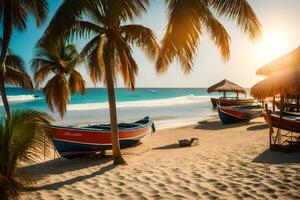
229, 162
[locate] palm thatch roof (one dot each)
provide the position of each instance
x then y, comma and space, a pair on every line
286, 82
289, 60
226, 86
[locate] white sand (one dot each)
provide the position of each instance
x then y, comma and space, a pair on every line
230, 162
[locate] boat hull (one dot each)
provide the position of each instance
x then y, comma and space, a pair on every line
236, 114
286, 123
232, 102
73, 142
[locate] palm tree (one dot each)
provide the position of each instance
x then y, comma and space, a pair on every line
21, 141
186, 20
109, 51
13, 14
58, 59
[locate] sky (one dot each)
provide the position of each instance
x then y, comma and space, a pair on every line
281, 34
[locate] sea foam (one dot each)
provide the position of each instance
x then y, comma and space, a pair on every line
19, 98
190, 99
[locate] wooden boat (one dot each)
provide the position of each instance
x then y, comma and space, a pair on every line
77, 141
231, 102
287, 106
235, 114
289, 121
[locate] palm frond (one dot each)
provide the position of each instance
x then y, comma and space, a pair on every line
93, 52
19, 15
241, 12
57, 98
76, 83
122, 10
22, 140
127, 64
38, 8
42, 73
182, 34
69, 11
16, 73
217, 33
142, 37
83, 29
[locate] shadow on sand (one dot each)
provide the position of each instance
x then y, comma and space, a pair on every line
217, 125
276, 157
257, 127
57, 185
169, 146
61, 165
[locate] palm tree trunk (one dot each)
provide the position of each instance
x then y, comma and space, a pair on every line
7, 33
112, 110
4, 96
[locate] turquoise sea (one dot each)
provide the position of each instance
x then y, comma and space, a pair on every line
169, 105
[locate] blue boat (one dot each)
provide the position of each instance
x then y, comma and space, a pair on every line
236, 114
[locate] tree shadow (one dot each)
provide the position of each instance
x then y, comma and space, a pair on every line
57, 185
217, 125
61, 165
276, 157
169, 146
257, 127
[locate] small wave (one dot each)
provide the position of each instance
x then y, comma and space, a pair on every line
190, 99
20, 98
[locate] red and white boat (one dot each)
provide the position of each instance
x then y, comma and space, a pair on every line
289, 121
231, 102
77, 141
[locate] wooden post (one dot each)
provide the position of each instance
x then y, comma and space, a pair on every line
269, 122
102, 153
281, 105
298, 104
273, 103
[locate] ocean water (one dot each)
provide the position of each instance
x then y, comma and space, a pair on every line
172, 106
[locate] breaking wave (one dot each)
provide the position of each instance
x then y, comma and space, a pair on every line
20, 98
190, 99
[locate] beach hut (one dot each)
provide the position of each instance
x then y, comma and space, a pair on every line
288, 61
285, 82
228, 86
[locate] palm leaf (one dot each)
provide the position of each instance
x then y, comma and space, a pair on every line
182, 34
42, 73
22, 140
76, 83
93, 52
38, 8
217, 33
142, 37
241, 12
15, 72
127, 64
57, 98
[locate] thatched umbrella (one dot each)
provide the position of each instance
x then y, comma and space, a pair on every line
289, 60
284, 82
226, 86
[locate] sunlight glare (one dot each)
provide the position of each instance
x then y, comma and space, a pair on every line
272, 45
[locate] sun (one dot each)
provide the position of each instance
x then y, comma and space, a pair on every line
273, 44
